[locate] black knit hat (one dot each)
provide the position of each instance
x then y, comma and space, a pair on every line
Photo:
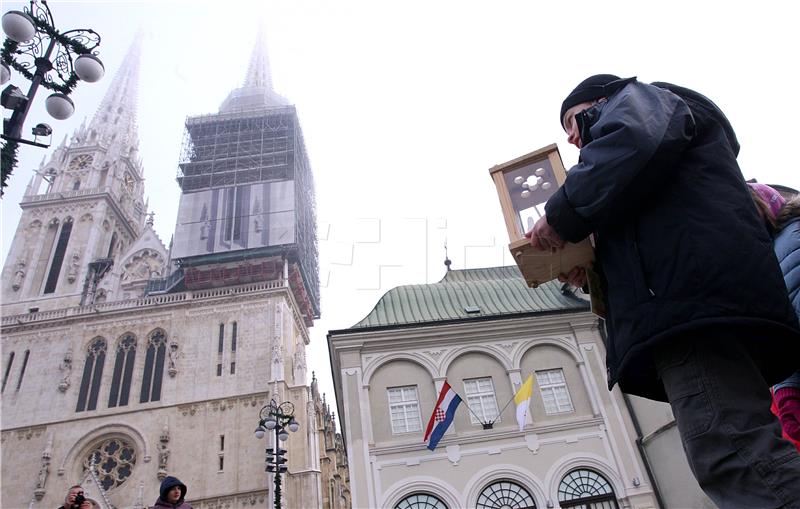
593, 87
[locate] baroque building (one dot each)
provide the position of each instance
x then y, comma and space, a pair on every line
124, 361
484, 332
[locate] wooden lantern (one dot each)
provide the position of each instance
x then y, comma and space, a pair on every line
524, 185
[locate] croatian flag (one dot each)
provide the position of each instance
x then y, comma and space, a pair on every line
442, 415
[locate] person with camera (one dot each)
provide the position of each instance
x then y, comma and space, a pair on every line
75, 499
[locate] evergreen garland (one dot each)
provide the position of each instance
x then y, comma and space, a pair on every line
8, 159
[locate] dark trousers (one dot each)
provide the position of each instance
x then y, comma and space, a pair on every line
733, 442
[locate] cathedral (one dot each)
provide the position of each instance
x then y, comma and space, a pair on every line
124, 359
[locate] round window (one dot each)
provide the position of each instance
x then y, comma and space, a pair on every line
113, 460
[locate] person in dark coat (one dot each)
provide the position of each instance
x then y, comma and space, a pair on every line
172, 494
696, 310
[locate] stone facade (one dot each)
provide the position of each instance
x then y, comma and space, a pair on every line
111, 385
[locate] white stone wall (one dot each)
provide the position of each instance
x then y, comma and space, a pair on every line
196, 406
597, 434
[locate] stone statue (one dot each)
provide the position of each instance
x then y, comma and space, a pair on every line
19, 275
173, 357
66, 368
74, 266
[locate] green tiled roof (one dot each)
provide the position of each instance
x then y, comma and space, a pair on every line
469, 294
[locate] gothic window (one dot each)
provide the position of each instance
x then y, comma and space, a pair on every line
153, 367
586, 489
404, 409
22, 371
221, 342
555, 394
420, 501
58, 256
9, 363
76, 185
113, 460
481, 400
123, 371
233, 338
111, 245
505, 495
92, 374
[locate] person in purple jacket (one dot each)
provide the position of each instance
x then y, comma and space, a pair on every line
172, 494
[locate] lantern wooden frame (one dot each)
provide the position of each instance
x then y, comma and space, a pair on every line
524, 185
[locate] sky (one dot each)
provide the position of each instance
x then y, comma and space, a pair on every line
406, 105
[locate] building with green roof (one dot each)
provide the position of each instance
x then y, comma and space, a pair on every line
484, 332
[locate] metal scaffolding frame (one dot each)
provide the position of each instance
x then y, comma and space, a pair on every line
246, 147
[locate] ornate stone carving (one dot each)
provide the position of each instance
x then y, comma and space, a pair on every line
66, 369
172, 370
163, 452
44, 470
19, 274
74, 266
300, 363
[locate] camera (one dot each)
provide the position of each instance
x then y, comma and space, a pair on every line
79, 500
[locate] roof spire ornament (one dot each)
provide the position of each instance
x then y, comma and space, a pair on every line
256, 93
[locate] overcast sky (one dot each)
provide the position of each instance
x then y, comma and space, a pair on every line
406, 105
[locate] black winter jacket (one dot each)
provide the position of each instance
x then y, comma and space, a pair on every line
679, 244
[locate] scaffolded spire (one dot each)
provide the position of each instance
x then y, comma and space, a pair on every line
256, 93
259, 74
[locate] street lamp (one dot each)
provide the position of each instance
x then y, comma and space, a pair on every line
47, 58
277, 417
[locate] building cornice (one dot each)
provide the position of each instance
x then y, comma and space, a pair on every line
61, 317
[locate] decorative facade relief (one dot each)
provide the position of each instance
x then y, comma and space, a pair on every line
66, 370
19, 274
172, 369
44, 470
299, 363
163, 452
74, 267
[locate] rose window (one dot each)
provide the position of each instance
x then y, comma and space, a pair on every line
113, 460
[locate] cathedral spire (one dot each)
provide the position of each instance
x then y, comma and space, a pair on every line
115, 119
256, 93
259, 74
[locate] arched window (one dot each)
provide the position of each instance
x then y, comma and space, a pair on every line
586, 489
153, 367
9, 363
113, 459
123, 371
505, 495
92, 374
76, 185
111, 245
58, 256
420, 501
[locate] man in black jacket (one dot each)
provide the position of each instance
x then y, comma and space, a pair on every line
697, 312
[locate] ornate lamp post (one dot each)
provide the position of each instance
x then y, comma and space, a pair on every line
47, 58
277, 417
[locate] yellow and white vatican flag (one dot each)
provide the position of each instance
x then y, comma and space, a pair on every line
522, 399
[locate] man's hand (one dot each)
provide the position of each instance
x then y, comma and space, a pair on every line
544, 237
576, 277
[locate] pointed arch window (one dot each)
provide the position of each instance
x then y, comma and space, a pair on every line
92, 374
123, 371
586, 489
153, 366
111, 245
58, 256
9, 363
